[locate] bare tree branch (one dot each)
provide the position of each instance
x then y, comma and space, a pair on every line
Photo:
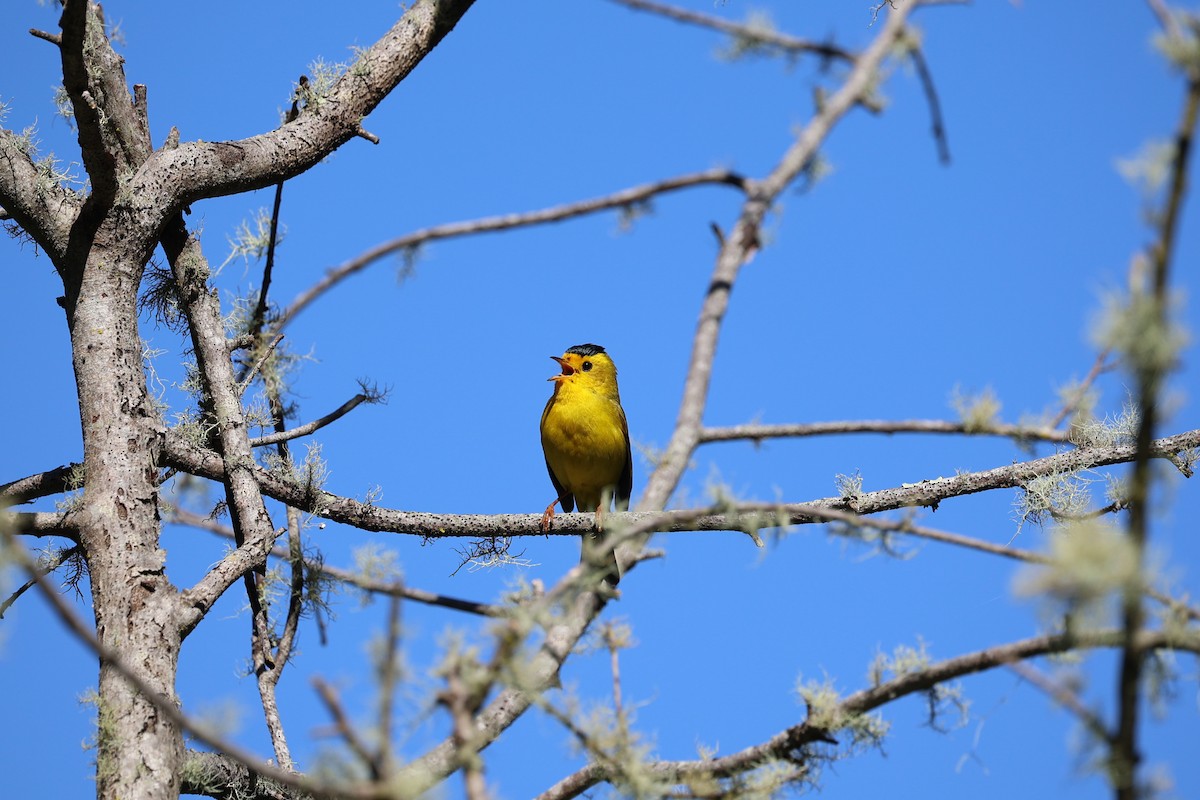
259, 318
257, 365
1099, 366
86, 107
935, 107
311, 427
365, 516
345, 728
457, 700
251, 522
42, 523
621, 199
1150, 374
32, 196
758, 432
53, 38
43, 484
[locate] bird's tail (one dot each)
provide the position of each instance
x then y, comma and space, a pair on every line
597, 556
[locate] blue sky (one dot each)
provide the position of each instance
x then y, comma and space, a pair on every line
890, 283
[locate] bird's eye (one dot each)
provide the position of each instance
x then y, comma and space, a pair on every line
587, 365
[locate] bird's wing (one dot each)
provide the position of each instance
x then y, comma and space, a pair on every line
625, 482
565, 498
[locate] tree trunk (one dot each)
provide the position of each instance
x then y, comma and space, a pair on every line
138, 750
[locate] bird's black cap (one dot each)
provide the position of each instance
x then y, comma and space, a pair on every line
586, 349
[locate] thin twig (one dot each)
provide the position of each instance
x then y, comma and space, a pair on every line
602, 767
269, 670
259, 318
1099, 366
1111, 508
45, 567
42, 523
344, 727
43, 484
788, 44
310, 427
935, 107
262, 359
52, 38
759, 432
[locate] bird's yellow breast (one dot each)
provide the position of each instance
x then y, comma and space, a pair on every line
583, 436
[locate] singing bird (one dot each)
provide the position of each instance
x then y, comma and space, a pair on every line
586, 440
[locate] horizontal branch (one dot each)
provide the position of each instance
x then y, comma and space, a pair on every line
758, 432
43, 484
930, 493
503, 222
907, 527
41, 523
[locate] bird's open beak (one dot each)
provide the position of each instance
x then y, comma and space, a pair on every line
567, 369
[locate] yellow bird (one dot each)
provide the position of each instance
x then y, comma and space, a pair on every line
586, 440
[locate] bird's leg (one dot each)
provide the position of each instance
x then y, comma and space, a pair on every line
548, 515
600, 517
